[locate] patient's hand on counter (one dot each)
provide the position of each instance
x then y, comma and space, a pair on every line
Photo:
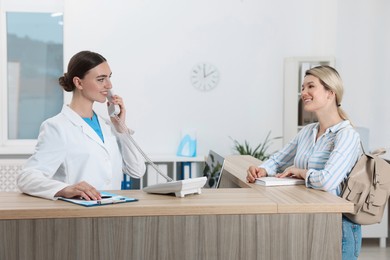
294, 172
255, 172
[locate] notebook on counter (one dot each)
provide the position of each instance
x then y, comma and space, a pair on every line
274, 181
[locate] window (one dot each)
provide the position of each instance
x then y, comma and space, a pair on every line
29, 88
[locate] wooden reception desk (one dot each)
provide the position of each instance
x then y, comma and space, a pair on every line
251, 222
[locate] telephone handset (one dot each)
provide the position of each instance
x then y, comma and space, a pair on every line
113, 109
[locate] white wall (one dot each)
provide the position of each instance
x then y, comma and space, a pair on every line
151, 47
363, 59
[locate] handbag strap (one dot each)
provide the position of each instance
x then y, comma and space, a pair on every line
379, 151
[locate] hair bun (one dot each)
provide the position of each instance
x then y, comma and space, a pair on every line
66, 79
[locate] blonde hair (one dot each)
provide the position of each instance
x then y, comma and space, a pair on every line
331, 80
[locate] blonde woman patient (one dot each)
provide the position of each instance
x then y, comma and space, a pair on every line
78, 152
322, 153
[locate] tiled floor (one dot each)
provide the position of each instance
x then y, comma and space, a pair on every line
371, 250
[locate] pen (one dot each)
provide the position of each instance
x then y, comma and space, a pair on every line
103, 197
111, 201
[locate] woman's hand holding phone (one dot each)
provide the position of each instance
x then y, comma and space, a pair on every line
117, 111
113, 109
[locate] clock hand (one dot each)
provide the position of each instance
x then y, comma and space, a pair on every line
208, 74
204, 71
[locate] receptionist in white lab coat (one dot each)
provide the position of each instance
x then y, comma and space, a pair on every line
78, 152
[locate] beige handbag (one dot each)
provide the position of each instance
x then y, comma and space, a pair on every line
368, 187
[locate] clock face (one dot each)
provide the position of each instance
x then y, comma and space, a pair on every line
204, 76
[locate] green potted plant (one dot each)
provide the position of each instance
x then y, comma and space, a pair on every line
259, 152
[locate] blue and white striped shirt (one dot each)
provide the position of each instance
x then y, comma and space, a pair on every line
328, 160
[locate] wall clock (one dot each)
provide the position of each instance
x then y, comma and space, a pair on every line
204, 76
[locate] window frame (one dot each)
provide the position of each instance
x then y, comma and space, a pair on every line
21, 146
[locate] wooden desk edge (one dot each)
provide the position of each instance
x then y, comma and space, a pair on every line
15, 205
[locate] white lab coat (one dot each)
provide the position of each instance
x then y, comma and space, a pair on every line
69, 151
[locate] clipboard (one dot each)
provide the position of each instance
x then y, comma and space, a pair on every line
110, 199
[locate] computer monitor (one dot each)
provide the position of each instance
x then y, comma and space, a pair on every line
213, 169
